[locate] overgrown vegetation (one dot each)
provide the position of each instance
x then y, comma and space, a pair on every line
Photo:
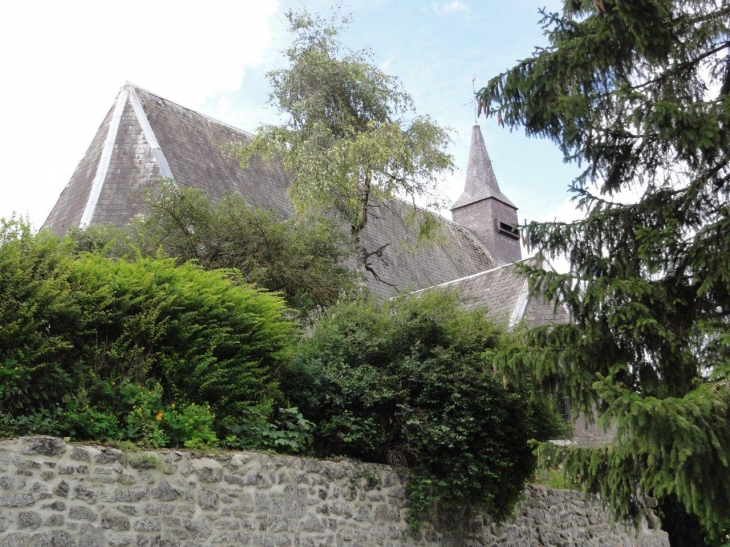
160, 352
147, 350
303, 257
411, 382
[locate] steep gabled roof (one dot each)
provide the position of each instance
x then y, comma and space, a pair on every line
145, 137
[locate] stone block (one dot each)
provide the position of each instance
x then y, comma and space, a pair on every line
17, 499
208, 499
129, 495
199, 529
16, 539
54, 538
115, 521
164, 492
55, 520
29, 520
80, 512
43, 445
148, 525
80, 455
80, 492
91, 536
61, 489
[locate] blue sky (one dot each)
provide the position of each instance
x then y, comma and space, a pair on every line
66, 61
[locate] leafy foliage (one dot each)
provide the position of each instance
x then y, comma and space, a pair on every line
107, 349
302, 257
205, 338
288, 432
638, 93
346, 139
35, 309
411, 382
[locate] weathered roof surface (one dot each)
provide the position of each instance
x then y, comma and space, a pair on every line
503, 291
70, 205
481, 182
497, 289
160, 137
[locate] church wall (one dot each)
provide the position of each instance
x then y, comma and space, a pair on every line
68, 495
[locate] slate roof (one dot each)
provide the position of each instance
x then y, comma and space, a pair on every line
481, 182
145, 137
504, 292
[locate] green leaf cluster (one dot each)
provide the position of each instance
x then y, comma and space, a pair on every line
411, 382
302, 257
288, 431
146, 350
351, 138
638, 94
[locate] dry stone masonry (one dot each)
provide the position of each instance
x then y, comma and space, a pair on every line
54, 494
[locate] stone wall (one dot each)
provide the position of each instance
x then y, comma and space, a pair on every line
54, 494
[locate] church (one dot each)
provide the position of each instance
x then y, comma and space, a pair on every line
145, 138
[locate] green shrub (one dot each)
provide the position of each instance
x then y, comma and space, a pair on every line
190, 426
203, 336
36, 311
96, 348
303, 258
288, 431
410, 382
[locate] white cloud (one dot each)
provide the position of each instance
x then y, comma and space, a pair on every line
63, 63
447, 8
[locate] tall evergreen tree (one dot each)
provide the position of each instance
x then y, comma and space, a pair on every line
638, 93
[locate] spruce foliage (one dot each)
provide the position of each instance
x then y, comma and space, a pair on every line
638, 93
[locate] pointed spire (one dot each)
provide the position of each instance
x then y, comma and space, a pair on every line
479, 171
481, 183
484, 209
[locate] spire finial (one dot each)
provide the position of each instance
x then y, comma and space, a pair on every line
474, 99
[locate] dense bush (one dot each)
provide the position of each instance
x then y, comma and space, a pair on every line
145, 350
205, 338
304, 259
410, 382
36, 309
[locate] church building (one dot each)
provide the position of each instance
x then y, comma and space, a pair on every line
145, 138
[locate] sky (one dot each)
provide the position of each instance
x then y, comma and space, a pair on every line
63, 63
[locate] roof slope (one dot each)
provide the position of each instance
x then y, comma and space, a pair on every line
145, 137
504, 292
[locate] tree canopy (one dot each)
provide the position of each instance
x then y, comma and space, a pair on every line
350, 137
411, 382
638, 93
304, 258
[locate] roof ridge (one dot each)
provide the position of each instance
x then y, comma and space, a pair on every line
472, 276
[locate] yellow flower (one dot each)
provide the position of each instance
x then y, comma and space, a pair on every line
159, 416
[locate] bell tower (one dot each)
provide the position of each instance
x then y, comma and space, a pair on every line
484, 209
